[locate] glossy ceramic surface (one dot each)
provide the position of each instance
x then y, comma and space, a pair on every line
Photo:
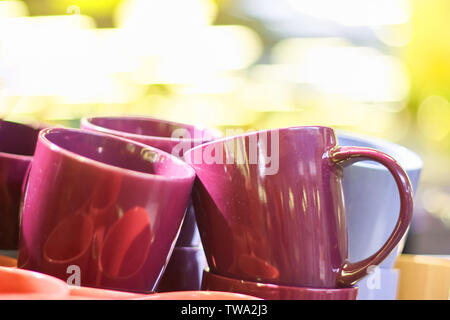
268, 291
86, 293
371, 200
17, 144
102, 207
184, 271
17, 284
423, 277
381, 284
172, 137
288, 227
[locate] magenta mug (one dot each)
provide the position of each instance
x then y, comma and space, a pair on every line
172, 137
269, 207
17, 143
184, 270
102, 209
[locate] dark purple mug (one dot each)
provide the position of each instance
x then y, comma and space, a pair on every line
104, 208
184, 271
17, 144
269, 207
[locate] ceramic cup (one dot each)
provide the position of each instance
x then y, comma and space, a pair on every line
371, 201
270, 291
269, 207
175, 138
17, 144
171, 137
184, 271
101, 210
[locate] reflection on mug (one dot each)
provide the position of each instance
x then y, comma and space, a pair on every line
125, 249
121, 255
69, 244
256, 267
104, 199
102, 208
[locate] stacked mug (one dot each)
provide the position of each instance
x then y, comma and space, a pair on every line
113, 206
187, 260
270, 210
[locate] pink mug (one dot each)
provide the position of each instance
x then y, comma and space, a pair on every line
69, 227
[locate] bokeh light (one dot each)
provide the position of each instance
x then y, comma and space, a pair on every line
377, 67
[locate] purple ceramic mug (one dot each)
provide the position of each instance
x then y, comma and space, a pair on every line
17, 143
269, 207
171, 137
102, 210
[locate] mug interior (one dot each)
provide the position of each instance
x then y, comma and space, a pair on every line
117, 152
144, 126
17, 138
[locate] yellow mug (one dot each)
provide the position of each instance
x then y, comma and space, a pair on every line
423, 277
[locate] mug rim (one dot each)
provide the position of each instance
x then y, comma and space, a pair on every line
252, 133
87, 122
395, 150
189, 173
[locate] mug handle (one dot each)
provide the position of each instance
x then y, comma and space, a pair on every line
351, 272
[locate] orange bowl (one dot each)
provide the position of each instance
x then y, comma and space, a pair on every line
197, 295
18, 284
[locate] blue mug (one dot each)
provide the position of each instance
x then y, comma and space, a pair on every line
371, 199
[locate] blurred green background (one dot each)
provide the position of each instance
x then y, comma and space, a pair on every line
381, 68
